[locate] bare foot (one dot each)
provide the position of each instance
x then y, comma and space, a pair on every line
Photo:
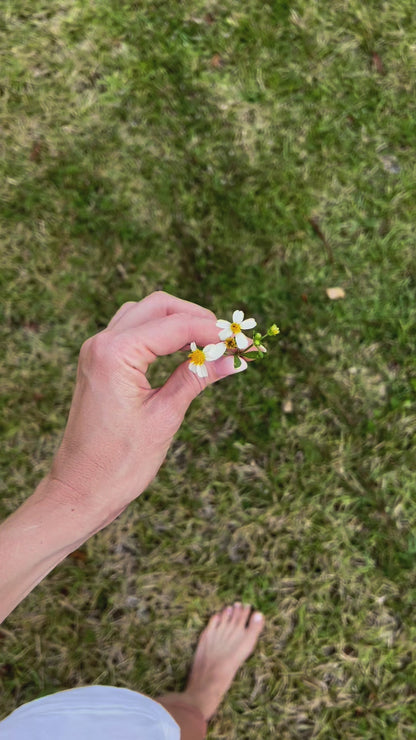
224, 645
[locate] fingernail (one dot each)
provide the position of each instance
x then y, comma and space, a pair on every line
225, 366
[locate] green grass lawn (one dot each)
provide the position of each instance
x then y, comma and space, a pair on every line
240, 155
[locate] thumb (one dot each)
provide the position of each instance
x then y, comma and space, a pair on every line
183, 386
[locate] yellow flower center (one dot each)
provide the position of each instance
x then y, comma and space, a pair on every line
235, 328
230, 343
197, 357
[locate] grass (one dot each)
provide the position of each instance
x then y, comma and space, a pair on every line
196, 148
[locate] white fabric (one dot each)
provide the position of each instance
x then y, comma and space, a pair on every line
91, 713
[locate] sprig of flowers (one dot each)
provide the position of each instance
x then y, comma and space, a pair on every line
233, 342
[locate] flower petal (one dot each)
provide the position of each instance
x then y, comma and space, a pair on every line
242, 341
193, 346
238, 317
192, 367
214, 351
202, 371
225, 333
248, 324
222, 324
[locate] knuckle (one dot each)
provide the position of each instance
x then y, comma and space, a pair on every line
158, 296
97, 352
85, 350
126, 305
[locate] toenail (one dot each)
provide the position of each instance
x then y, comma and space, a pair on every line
258, 617
237, 603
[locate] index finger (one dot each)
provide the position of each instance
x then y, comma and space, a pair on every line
165, 336
156, 305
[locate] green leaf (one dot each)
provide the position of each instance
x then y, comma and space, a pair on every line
237, 361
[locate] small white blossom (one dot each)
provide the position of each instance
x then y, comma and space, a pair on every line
235, 328
198, 357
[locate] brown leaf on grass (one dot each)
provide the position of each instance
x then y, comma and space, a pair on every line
287, 406
378, 64
216, 62
335, 293
36, 153
78, 555
209, 19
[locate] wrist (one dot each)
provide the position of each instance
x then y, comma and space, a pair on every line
81, 513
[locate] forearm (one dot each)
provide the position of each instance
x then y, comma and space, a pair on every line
36, 537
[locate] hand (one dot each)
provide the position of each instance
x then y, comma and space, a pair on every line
119, 428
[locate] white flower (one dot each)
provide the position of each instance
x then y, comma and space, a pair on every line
198, 357
235, 328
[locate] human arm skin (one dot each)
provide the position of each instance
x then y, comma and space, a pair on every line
118, 432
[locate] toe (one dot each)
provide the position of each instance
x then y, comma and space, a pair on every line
237, 612
241, 613
255, 624
214, 621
